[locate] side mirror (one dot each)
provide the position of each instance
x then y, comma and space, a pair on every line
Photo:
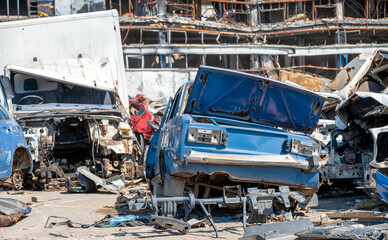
7, 87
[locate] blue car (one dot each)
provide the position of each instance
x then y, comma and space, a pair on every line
228, 127
15, 155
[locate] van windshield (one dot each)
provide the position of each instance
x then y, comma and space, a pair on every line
40, 91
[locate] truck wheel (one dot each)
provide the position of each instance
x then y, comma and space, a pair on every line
17, 179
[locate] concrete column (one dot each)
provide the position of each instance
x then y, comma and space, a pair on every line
255, 61
162, 8
162, 36
269, 65
340, 38
254, 14
339, 8
299, 7
198, 10
301, 60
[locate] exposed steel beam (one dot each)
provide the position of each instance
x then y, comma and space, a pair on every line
258, 34
231, 1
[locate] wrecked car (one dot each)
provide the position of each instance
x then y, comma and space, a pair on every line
361, 139
144, 122
70, 120
358, 145
70, 96
229, 127
15, 155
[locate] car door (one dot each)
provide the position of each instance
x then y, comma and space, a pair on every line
6, 142
153, 149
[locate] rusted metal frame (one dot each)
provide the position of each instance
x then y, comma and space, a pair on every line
367, 9
231, 1
362, 215
194, 8
223, 12
120, 10
283, 1
180, 8
322, 29
126, 35
313, 11
302, 66
262, 34
179, 4
211, 31
130, 8
285, 12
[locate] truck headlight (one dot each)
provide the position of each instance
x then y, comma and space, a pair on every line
200, 135
303, 147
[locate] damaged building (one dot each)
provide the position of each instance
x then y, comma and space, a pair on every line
166, 41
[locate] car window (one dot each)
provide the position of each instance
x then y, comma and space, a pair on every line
137, 110
3, 114
175, 104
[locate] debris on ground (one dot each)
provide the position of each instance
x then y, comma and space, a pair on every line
107, 221
11, 211
360, 215
123, 219
90, 182
349, 230
171, 223
276, 230
367, 204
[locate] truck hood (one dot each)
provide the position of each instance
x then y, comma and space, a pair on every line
248, 97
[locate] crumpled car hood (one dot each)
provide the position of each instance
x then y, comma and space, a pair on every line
248, 97
348, 79
358, 105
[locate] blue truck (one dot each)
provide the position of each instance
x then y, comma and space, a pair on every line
227, 127
15, 154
